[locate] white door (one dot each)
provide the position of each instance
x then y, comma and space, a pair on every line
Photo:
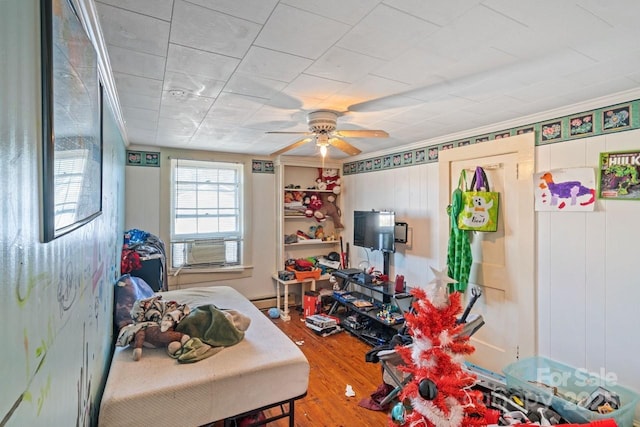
503, 261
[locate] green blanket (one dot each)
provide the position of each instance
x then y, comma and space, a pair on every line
213, 326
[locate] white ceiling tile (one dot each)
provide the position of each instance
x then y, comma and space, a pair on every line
128, 83
606, 48
233, 108
177, 126
625, 15
129, 99
343, 65
178, 141
253, 85
298, 32
600, 88
479, 28
635, 76
136, 63
612, 69
314, 87
554, 26
141, 118
350, 12
213, 127
272, 64
445, 13
193, 84
186, 60
156, 8
252, 10
371, 88
141, 136
134, 31
415, 66
386, 33
211, 31
269, 118
187, 107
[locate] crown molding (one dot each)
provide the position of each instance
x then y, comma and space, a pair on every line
91, 23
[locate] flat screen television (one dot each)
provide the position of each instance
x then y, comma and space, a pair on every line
374, 230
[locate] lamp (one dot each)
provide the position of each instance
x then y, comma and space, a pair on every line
322, 141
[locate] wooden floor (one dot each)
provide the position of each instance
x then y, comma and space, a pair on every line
335, 361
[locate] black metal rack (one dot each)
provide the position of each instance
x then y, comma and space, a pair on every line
365, 322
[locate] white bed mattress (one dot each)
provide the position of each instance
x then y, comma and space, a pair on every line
265, 367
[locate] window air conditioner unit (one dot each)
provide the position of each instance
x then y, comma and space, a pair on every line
205, 252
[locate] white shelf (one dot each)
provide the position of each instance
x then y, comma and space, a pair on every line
328, 218
324, 242
311, 190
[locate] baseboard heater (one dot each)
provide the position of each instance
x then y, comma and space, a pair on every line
268, 302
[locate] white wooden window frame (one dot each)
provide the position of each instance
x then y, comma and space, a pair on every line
202, 246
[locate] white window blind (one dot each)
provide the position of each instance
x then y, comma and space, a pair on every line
206, 213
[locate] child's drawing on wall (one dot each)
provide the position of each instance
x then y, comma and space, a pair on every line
565, 190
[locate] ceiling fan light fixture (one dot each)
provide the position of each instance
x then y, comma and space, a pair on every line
322, 141
323, 130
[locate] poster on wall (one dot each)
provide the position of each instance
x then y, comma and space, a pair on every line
571, 189
619, 175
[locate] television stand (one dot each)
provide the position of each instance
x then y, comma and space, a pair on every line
386, 256
373, 312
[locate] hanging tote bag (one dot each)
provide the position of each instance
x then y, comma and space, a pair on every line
479, 205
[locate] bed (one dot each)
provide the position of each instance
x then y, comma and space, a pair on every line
266, 369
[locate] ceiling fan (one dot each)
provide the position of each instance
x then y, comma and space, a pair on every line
322, 130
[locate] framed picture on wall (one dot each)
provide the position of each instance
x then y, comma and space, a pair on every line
619, 175
71, 122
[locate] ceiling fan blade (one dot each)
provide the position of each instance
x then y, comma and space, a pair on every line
343, 145
292, 146
364, 133
290, 133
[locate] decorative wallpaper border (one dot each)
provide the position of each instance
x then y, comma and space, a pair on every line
262, 166
615, 118
143, 158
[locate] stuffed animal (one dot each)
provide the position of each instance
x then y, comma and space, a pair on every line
317, 231
288, 197
152, 336
294, 196
331, 210
313, 205
328, 179
153, 325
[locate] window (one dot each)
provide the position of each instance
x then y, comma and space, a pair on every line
206, 214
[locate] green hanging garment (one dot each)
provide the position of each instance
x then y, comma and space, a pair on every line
459, 257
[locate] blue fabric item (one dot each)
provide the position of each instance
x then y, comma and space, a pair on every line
137, 236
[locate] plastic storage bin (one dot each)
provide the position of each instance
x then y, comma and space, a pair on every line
302, 275
562, 387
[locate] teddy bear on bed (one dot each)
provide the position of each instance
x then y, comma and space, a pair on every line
144, 319
159, 319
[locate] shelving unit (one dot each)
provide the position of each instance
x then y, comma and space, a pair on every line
301, 172
366, 322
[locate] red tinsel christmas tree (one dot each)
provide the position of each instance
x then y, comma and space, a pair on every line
439, 393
